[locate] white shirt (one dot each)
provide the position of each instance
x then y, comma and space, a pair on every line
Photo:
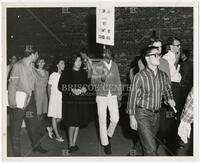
108, 65
174, 73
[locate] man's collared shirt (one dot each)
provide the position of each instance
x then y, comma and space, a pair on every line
187, 114
174, 73
163, 66
147, 90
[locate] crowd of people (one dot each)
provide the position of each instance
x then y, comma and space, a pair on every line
160, 83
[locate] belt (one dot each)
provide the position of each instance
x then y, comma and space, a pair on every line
153, 111
176, 83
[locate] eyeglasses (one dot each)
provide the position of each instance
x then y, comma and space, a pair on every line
179, 45
156, 55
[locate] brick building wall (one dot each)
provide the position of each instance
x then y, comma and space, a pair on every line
64, 32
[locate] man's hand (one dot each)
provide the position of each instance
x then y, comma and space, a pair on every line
133, 122
184, 130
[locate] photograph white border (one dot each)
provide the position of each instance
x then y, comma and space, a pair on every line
94, 3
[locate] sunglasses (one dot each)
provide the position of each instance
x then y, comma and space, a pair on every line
156, 55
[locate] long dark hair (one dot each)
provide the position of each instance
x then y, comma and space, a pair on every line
40, 58
74, 57
54, 67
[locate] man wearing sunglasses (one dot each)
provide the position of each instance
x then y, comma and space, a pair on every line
148, 88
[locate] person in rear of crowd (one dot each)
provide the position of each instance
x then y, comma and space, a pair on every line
12, 60
41, 96
186, 71
172, 56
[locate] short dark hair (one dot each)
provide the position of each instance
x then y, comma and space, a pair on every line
109, 51
186, 52
153, 40
170, 40
39, 59
54, 67
84, 50
149, 49
29, 49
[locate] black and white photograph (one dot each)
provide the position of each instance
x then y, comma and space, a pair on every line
100, 79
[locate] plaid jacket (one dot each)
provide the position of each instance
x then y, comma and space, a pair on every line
187, 114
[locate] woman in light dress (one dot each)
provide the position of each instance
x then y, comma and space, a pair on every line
55, 100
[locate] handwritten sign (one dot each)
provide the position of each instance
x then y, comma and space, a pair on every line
105, 23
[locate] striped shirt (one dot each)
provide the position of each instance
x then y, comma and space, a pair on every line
187, 114
147, 90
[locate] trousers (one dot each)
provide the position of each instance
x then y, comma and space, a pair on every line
148, 126
104, 102
32, 125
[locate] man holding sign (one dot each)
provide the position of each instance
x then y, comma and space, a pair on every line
106, 79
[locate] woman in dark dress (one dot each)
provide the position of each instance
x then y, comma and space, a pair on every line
76, 111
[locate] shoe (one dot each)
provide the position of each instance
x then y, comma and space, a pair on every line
74, 148
50, 132
107, 149
60, 139
109, 139
39, 149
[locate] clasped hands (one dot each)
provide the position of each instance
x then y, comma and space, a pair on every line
79, 91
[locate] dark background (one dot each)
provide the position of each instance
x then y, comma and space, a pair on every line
63, 32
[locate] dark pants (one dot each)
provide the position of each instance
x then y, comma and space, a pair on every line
178, 98
148, 125
184, 93
173, 138
32, 125
167, 120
